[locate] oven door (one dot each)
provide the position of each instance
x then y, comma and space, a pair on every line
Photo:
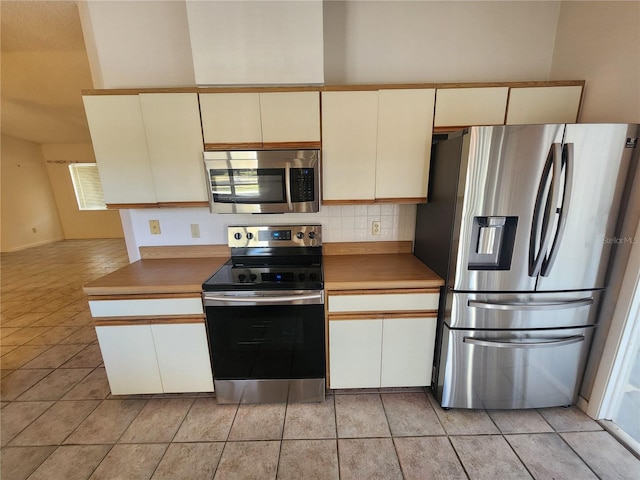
266, 339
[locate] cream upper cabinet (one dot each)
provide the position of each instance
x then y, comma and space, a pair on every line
174, 140
349, 136
257, 118
231, 117
461, 107
537, 105
290, 116
376, 144
404, 143
120, 146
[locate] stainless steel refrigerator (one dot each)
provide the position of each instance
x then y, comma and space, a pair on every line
521, 222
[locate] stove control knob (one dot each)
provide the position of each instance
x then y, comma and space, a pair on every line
242, 277
249, 235
313, 277
301, 277
299, 235
312, 234
237, 235
252, 277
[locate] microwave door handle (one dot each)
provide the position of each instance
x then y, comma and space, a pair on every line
287, 184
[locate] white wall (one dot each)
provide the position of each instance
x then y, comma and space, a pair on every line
600, 42
349, 223
27, 202
137, 43
256, 42
438, 41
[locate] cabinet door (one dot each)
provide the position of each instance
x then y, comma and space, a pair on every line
405, 119
407, 351
120, 145
290, 116
174, 139
231, 117
539, 105
129, 359
183, 357
461, 107
354, 353
349, 132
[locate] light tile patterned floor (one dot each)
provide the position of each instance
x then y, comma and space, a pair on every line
59, 421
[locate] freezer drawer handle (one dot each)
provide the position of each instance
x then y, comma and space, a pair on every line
542, 344
582, 302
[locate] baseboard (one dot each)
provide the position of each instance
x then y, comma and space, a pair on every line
31, 245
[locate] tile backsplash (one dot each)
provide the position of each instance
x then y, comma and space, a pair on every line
340, 223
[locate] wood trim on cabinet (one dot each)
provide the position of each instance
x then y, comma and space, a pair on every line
389, 291
291, 145
378, 315
137, 91
409, 200
233, 146
183, 204
126, 206
184, 251
348, 202
144, 296
152, 320
258, 89
367, 248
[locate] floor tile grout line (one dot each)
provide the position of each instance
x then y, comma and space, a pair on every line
577, 454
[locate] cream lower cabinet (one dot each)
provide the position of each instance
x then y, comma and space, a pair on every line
145, 352
162, 358
391, 347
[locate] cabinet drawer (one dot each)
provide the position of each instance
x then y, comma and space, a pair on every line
387, 302
146, 307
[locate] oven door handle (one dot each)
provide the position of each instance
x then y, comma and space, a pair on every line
280, 299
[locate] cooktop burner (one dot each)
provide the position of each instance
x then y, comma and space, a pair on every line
271, 258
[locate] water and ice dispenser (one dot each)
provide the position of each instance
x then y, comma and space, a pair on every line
492, 240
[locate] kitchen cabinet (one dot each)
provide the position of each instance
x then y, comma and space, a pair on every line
460, 107
376, 144
148, 147
381, 339
548, 104
258, 119
119, 142
153, 345
163, 358
174, 140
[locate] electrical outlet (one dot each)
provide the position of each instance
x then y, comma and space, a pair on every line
154, 227
34, 229
195, 230
375, 228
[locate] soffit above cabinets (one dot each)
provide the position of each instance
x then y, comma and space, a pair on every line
185, 43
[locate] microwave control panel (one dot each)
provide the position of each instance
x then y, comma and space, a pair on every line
302, 184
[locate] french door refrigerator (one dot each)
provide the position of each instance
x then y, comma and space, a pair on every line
521, 221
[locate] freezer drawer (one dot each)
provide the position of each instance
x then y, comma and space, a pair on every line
500, 311
512, 369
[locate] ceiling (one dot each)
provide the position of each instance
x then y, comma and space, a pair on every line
44, 67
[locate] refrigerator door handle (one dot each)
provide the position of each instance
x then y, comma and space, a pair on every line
553, 168
509, 344
581, 302
567, 162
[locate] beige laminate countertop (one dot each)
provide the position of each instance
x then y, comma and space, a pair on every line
341, 272
167, 275
377, 271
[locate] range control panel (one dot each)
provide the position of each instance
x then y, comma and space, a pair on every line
275, 236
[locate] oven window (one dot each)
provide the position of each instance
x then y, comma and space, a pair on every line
248, 185
267, 342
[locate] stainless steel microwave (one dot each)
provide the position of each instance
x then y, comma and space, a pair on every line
263, 181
